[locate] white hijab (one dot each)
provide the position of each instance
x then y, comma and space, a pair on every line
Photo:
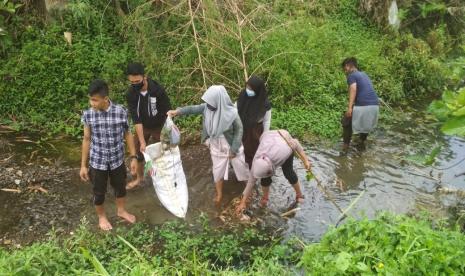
218, 121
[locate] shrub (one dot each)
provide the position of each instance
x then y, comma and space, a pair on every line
390, 245
44, 85
296, 47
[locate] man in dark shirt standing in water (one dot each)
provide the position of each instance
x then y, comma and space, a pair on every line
362, 112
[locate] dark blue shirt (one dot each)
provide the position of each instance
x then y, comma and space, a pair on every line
366, 94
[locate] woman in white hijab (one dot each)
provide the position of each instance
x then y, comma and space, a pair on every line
222, 133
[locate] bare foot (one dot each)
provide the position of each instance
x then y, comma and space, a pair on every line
104, 224
299, 199
217, 200
126, 216
131, 185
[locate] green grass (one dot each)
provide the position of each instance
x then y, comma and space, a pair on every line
387, 245
173, 248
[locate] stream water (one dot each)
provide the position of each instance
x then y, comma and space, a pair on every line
387, 175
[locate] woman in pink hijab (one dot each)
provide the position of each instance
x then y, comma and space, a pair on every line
276, 149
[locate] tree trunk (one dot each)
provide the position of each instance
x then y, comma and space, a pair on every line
38, 6
118, 8
377, 10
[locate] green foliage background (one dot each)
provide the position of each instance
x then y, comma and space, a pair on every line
44, 80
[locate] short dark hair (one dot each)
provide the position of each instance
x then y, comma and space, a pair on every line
135, 68
98, 87
350, 61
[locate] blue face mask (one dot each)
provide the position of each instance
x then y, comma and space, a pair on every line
250, 93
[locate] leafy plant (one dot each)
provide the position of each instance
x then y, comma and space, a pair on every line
172, 248
95, 262
44, 84
389, 245
451, 110
8, 9
425, 159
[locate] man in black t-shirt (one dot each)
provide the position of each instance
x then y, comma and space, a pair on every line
147, 104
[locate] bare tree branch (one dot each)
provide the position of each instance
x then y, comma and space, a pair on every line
160, 14
226, 30
196, 42
222, 32
240, 23
231, 82
216, 46
263, 34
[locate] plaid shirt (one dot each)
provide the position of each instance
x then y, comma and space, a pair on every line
107, 136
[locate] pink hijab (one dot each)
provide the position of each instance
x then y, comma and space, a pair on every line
262, 167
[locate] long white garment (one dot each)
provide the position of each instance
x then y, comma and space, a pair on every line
267, 121
219, 151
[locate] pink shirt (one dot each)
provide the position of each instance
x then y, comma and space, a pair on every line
275, 147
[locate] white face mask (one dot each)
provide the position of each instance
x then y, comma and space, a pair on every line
250, 92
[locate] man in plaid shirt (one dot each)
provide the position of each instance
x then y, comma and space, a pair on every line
105, 128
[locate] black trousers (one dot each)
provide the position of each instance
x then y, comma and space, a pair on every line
99, 179
288, 171
153, 133
346, 123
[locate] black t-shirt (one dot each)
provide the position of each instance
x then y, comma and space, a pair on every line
149, 109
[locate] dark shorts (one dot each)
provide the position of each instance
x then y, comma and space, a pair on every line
346, 123
99, 180
288, 171
153, 133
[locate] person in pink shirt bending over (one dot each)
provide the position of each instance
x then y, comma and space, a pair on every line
276, 149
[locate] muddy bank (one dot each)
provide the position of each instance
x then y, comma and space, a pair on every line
41, 193
37, 194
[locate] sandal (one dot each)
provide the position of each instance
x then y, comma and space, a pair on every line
264, 202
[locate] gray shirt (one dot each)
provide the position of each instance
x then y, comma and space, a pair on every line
233, 134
